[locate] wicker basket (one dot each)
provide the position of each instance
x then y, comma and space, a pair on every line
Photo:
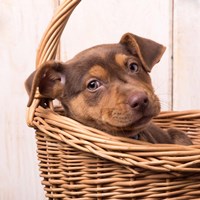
79, 162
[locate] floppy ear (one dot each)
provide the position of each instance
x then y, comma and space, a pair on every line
148, 51
49, 79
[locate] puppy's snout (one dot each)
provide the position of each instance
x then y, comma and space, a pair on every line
138, 101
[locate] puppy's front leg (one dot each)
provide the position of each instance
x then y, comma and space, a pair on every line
179, 137
156, 135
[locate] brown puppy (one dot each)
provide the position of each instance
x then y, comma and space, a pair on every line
108, 87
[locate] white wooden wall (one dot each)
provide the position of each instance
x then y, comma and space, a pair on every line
174, 23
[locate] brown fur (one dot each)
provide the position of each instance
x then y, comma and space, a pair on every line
108, 87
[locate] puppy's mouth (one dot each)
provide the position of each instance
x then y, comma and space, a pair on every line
131, 129
143, 120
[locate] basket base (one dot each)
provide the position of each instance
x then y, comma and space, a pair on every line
71, 174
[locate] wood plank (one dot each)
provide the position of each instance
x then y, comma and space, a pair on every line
102, 21
186, 55
22, 24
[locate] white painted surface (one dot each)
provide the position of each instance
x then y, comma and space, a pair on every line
186, 55
22, 24
93, 22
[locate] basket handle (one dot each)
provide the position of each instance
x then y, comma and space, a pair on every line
48, 46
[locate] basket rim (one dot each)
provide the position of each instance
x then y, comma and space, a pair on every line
126, 151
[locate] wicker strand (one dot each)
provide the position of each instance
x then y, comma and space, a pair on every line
50, 40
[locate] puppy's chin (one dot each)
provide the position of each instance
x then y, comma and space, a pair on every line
130, 130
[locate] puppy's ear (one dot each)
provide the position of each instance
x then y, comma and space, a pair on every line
148, 51
49, 79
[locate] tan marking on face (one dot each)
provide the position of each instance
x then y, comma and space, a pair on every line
89, 116
98, 71
120, 59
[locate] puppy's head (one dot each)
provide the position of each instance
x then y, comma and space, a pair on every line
107, 86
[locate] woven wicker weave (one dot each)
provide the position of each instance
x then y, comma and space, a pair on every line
79, 162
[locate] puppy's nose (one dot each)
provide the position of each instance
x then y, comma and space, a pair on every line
138, 101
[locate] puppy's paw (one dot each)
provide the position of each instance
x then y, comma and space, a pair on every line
179, 137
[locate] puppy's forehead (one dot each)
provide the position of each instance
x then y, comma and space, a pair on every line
103, 68
99, 61
102, 52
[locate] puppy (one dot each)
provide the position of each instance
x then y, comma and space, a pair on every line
108, 87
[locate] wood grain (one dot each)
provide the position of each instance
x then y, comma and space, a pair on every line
186, 55
22, 24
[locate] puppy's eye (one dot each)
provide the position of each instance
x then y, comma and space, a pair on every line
133, 67
93, 85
